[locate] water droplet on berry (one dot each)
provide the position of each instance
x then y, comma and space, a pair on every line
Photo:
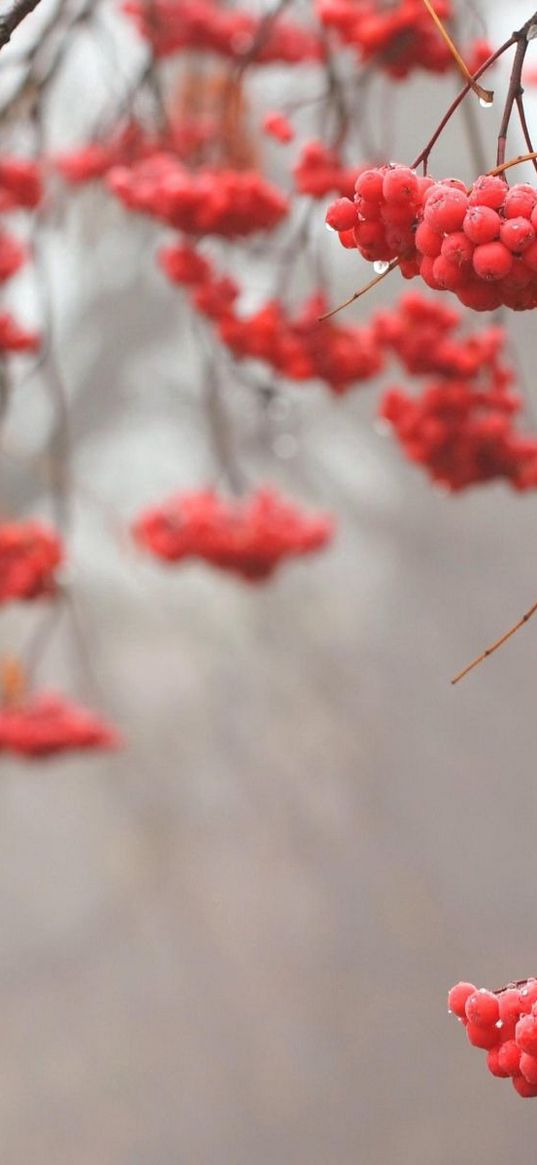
499, 1023
380, 266
485, 104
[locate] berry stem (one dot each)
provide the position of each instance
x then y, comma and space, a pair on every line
358, 294
494, 646
486, 95
513, 162
514, 92
423, 157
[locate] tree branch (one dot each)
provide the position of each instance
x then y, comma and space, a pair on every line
10, 21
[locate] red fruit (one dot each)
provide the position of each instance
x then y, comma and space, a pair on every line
481, 224
482, 1037
341, 215
369, 185
509, 1057
448, 275
445, 208
493, 1063
428, 241
530, 256
457, 998
510, 1006
526, 1034
367, 211
523, 1087
528, 1068
400, 184
528, 995
482, 1007
457, 248
492, 261
517, 234
488, 190
520, 200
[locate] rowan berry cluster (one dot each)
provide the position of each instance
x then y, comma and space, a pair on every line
319, 171
504, 1024
425, 336
463, 435
249, 536
222, 202
482, 243
46, 724
20, 189
382, 218
398, 37
278, 126
300, 347
30, 554
171, 25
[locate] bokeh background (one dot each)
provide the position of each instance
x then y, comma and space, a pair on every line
231, 943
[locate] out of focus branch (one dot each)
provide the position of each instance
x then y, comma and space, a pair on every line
20, 9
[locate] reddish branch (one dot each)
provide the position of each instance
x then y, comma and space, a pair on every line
20, 9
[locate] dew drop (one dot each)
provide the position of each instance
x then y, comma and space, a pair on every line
485, 104
380, 266
329, 228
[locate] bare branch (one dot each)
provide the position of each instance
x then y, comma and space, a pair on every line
20, 9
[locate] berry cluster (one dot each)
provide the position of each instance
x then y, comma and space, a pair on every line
482, 243
398, 37
299, 347
424, 334
172, 25
30, 554
382, 218
504, 1024
222, 202
319, 171
20, 189
46, 724
462, 434
278, 126
249, 537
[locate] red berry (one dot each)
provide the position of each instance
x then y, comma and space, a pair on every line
517, 234
448, 275
400, 184
457, 998
520, 200
526, 1034
457, 248
509, 1057
341, 215
528, 1068
369, 185
492, 261
482, 1037
445, 208
488, 190
523, 1087
493, 1063
481, 224
482, 1007
428, 241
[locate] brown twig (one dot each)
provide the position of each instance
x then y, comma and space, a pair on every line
11, 20
530, 157
485, 95
358, 294
494, 646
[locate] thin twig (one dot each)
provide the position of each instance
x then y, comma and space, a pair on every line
494, 646
358, 294
485, 95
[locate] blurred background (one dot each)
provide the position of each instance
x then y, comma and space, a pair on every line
231, 943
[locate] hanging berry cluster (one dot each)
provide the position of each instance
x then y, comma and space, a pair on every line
504, 1024
249, 537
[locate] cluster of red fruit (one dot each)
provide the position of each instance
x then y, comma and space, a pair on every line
249, 536
20, 189
479, 243
223, 202
398, 37
299, 347
172, 25
504, 1024
461, 427
319, 171
129, 142
463, 435
30, 554
46, 724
